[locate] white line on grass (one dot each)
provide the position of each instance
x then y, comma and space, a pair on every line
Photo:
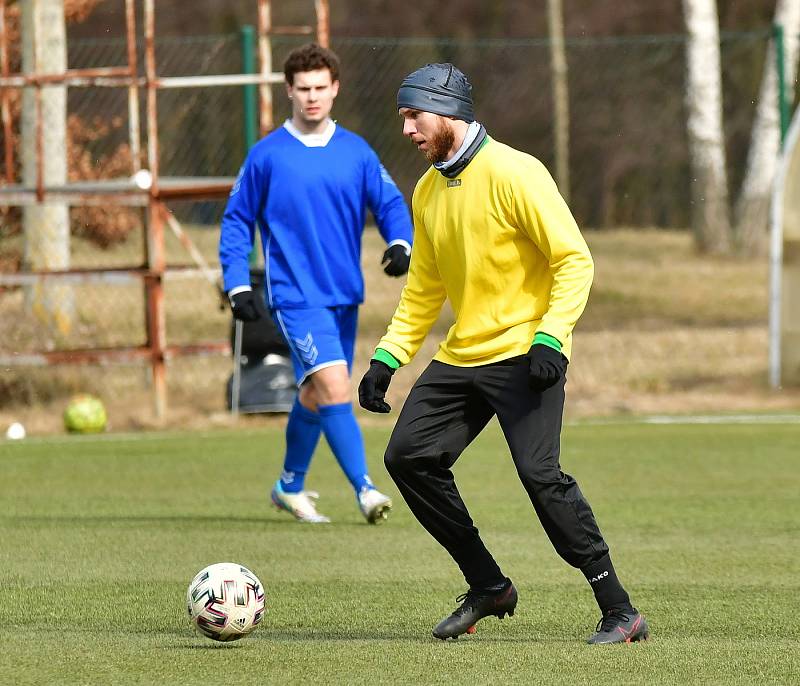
608, 421
697, 419
180, 434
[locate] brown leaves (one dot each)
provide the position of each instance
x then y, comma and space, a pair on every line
76, 11
103, 225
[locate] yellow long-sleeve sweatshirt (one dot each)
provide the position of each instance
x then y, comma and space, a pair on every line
500, 242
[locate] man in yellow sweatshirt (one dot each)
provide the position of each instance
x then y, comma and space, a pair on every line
493, 235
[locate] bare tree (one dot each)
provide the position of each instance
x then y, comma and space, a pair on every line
47, 244
752, 205
710, 215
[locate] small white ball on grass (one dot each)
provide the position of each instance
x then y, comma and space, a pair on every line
15, 432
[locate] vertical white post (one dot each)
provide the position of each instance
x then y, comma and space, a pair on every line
784, 303
775, 262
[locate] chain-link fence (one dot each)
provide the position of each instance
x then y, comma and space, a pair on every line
629, 161
629, 166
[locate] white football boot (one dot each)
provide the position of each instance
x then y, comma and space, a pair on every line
299, 505
374, 505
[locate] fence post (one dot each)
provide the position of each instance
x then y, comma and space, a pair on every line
247, 36
247, 40
780, 64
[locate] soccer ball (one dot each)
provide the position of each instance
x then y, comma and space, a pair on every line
85, 414
15, 432
225, 601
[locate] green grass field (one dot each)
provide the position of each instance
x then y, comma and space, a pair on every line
99, 538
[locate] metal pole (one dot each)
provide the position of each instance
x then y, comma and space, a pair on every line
156, 261
247, 36
208, 273
323, 23
155, 311
780, 63
39, 122
39, 146
152, 93
236, 382
4, 98
265, 54
133, 89
248, 42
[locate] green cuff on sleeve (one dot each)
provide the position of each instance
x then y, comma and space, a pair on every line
387, 358
542, 338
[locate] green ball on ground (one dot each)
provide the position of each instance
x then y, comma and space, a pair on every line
85, 414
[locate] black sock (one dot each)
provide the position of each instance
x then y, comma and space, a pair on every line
607, 589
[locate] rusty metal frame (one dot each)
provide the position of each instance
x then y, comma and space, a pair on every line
152, 274
5, 106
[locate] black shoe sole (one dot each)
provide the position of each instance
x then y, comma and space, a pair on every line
642, 635
474, 628
634, 639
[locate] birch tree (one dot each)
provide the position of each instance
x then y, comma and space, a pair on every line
752, 205
558, 68
709, 184
46, 225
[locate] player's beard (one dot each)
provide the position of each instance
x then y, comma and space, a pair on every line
441, 143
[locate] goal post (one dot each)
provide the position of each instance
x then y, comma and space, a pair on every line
784, 319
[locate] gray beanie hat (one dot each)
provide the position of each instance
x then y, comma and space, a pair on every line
438, 88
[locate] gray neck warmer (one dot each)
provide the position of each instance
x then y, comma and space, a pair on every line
473, 140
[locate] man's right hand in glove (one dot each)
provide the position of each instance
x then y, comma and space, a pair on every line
373, 387
395, 260
243, 306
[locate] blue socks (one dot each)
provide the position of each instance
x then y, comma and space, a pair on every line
302, 436
344, 437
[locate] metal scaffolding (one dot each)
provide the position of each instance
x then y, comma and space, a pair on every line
126, 192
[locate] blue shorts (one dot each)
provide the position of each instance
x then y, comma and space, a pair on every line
319, 337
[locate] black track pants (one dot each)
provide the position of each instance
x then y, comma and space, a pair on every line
445, 410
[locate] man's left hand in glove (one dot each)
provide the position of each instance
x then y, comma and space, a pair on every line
373, 387
546, 364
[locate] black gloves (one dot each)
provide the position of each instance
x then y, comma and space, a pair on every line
395, 260
546, 366
243, 305
374, 385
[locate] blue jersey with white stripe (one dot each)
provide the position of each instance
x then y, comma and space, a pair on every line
310, 205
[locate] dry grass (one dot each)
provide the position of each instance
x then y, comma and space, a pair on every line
665, 331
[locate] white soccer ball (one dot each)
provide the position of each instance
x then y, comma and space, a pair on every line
15, 432
225, 601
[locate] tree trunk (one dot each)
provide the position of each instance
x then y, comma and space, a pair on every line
558, 68
46, 225
752, 205
710, 214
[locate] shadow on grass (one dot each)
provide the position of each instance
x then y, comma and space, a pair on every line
210, 645
180, 638
308, 635
137, 520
